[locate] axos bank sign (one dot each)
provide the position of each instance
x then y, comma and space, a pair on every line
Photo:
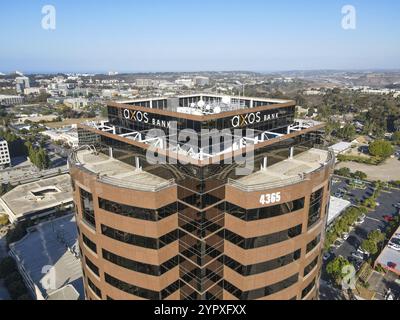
252, 118
237, 121
140, 116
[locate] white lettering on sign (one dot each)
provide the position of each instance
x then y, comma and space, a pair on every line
251, 118
270, 198
140, 116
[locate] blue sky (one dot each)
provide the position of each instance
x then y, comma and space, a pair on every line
175, 35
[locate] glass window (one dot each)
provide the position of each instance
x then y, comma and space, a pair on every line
92, 246
262, 292
139, 266
308, 289
247, 270
92, 286
314, 213
87, 207
251, 243
138, 213
92, 266
265, 212
310, 267
141, 292
312, 244
141, 241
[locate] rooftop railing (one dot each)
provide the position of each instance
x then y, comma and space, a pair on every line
74, 161
284, 182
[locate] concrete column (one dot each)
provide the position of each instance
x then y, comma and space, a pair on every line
137, 164
291, 153
264, 166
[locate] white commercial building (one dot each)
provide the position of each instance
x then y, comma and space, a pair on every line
5, 159
341, 147
38, 199
28, 91
7, 100
76, 103
201, 81
184, 82
68, 135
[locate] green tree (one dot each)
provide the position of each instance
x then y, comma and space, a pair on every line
345, 172
377, 236
396, 138
335, 268
381, 148
347, 132
360, 175
370, 246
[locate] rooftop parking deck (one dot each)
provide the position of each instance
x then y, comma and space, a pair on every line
112, 171
289, 171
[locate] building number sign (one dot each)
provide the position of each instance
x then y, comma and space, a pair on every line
270, 198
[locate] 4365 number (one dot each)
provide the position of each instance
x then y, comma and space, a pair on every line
270, 198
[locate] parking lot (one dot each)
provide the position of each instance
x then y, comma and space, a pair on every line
374, 219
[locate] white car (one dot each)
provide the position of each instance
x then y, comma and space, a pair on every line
361, 251
394, 244
360, 221
338, 243
326, 256
345, 236
358, 255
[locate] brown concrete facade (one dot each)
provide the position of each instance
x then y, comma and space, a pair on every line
303, 288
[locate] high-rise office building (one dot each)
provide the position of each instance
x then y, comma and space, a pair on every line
21, 83
234, 208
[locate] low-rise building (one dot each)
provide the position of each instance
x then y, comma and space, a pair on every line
49, 261
68, 135
341, 147
201, 81
28, 91
8, 100
38, 199
389, 258
76, 103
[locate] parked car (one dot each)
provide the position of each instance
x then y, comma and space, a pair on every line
388, 218
345, 236
326, 256
360, 221
338, 243
358, 255
363, 252
394, 244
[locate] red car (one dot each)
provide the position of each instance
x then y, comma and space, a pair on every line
388, 218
